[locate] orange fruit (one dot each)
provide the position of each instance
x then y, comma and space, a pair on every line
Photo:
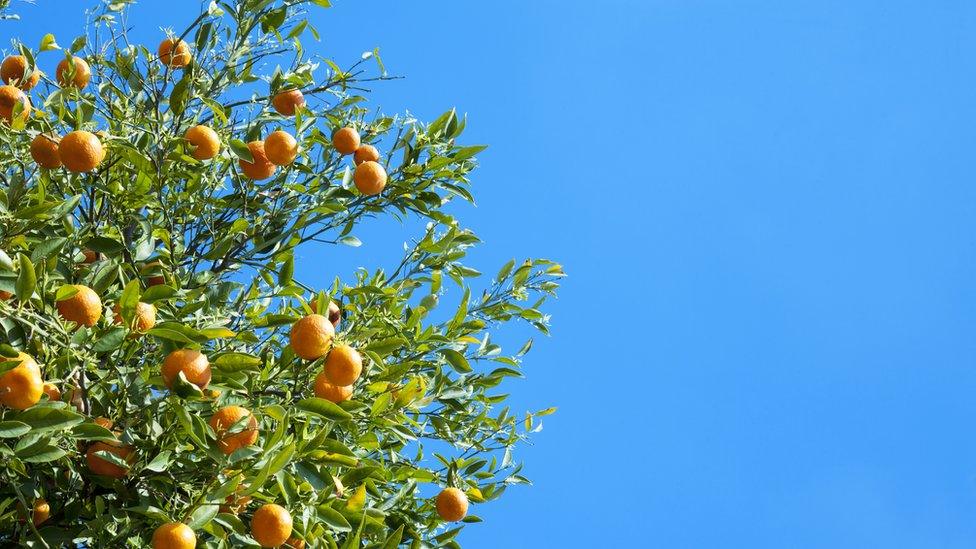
311, 337
81, 76
366, 153
174, 535
281, 148
346, 140
285, 102
452, 504
193, 364
81, 151
52, 391
150, 269
343, 365
329, 391
261, 168
271, 525
295, 543
10, 96
4, 296
234, 503
206, 141
91, 256
224, 419
13, 71
104, 422
334, 313
41, 511
21, 387
370, 178
44, 151
145, 317
103, 467
175, 53
84, 307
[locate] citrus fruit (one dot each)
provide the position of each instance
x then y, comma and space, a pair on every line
311, 337
91, 256
174, 53
193, 364
154, 273
14, 71
334, 313
366, 153
370, 178
10, 96
205, 140
285, 102
329, 391
84, 307
224, 419
346, 140
343, 365
281, 148
452, 504
101, 466
271, 525
44, 151
81, 76
21, 387
261, 168
41, 511
81, 151
174, 535
52, 391
145, 316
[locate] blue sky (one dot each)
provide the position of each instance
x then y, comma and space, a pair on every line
767, 212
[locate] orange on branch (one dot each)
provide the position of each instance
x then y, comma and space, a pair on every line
366, 153
224, 419
206, 141
91, 256
52, 391
261, 168
346, 140
281, 148
81, 151
101, 466
153, 274
343, 365
174, 53
295, 543
370, 178
311, 337
452, 504
271, 525
145, 316
22, 386
193, 364
334, 313
287, 101
84, 307
4, 296
14, 71
330, 391
41, 511
44, 151
9, 97
81, 76
174, 535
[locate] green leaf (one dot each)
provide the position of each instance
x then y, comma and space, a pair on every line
129, 300
26, 279
287, 271
350, 240
324, 408
6, 263
110, 341
456, 360
333, 518
160, 462
48, 43
49, 419
202, 516
235, 362
240, 150
393, 540
41, 454
92, 431
13, 429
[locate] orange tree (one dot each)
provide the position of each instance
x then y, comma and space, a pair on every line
165, 378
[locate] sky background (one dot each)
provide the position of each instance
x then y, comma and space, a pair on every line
767, 212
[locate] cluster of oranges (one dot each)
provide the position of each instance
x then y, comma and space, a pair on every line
311, 337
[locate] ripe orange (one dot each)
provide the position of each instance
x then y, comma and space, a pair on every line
281, 148
21, 387
370, 178
285, 102
10, 96
91, 256
13, 71
103, 467
452, 504
295, 543
145, 317
81, 151
151, 270
366, 153
311, 337
44, 151
235, 503
261, 168
271, 525
4, 296
81, 76
206, 141
346, 140
193, 364
330, 391
224, 419
334, 313
175, 53
104, 422
84, 307
52, 391
343, 365
41, 511
174, 535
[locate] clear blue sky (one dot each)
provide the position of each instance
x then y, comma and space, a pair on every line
768, 212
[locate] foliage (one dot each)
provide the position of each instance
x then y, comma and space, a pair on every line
426, 413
